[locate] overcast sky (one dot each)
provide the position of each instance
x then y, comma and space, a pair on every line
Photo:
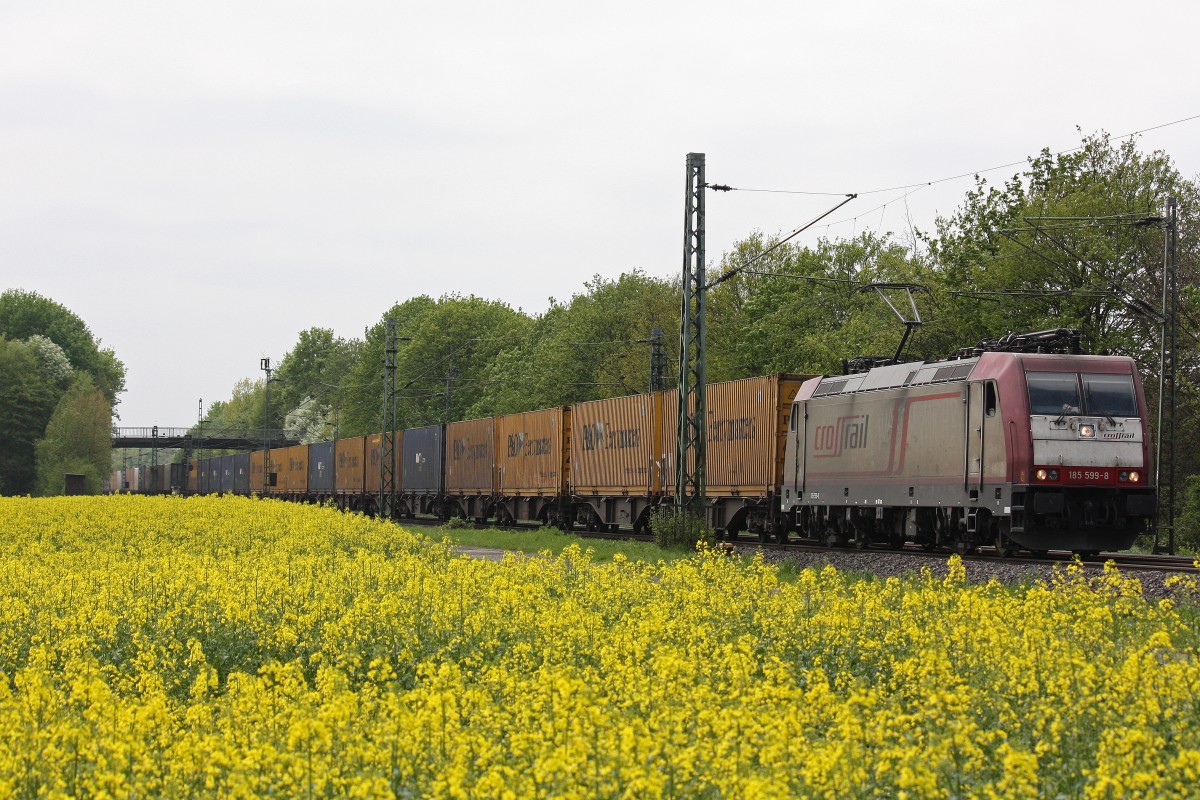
201, 181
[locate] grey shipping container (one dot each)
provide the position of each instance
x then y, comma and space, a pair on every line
320, 468
241, 473
226, 474
205, 478
179, 477
421, 460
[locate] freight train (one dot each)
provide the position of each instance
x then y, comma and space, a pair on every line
1012, 450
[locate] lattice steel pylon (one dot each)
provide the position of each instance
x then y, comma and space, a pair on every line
387, 441
690, 444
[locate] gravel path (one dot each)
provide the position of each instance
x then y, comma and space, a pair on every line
886, 564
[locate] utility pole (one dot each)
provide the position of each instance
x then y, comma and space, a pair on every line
187, 455
658, 359
690, 445
265, 365
451, 374
1165, 433
387, 443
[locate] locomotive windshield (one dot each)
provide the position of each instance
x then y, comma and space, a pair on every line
1102, 395
1110, 395
1053, 392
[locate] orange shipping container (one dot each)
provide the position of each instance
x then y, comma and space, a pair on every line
615, 445
350, 458
291, 469
257, 485
744, 438
470, 457
371, 476
531, 453
372, 446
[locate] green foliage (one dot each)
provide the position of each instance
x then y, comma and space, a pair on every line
53, 361
25, 314
1187, 522
1063, 232
29, 395
78, 439
812, 319
44, 349
594, 347
441, 366
245, 409
308, 386
552, 540
672, 527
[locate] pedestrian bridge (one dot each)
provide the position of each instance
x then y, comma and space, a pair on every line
199, 438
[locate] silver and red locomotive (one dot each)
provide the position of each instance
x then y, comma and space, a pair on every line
1012, 449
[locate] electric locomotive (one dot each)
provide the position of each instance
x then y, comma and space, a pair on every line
1026, 450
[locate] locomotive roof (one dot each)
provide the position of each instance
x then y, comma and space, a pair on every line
915, 373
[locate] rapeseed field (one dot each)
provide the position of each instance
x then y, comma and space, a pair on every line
205, 647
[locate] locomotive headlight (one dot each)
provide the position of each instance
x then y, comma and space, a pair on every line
1129, 476
1087, 431
1043, 474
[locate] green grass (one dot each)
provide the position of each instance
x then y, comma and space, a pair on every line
554, 540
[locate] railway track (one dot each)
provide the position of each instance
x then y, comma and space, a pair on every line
1134, 562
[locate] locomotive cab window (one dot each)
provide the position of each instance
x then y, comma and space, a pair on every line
989, 398
1110, 395
1053, 393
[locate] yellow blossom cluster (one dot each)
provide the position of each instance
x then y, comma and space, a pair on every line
232, 647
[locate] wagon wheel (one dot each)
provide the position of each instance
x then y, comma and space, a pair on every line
862, 539
1005, 546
